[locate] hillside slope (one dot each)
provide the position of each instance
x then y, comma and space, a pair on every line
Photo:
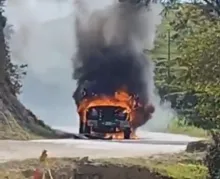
16, 122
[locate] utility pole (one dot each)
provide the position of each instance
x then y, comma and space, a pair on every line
168, 57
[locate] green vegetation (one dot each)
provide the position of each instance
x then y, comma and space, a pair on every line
16, 122
11, 129
11, 74
175, 166
180, 127
213, 156
187, 72
183, 171
166, 56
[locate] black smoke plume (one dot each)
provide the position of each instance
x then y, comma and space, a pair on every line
109, 56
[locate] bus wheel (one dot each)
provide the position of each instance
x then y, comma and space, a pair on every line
127, 133
84, 128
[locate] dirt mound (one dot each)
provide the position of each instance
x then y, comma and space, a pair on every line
90, 170
173, 166
98, 171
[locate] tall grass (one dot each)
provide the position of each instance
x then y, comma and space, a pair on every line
179, 126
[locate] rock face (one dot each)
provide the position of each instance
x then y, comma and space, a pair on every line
198, 146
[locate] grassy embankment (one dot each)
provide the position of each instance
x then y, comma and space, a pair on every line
175, 166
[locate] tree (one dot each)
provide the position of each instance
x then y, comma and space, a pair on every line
14, 76
212, 158
195, 89
10, 73
199, 54
196, 33
2, 45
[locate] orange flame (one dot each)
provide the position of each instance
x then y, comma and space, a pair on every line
121, 99
120, 136
138, 113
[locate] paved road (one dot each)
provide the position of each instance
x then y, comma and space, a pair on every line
148, 144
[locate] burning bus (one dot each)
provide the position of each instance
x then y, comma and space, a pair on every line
112, 114
112, 74
117, 115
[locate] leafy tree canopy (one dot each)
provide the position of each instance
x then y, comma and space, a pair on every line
193, 81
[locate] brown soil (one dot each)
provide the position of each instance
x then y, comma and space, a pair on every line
77, 169
154, 167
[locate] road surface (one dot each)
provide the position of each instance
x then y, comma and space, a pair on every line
149, 144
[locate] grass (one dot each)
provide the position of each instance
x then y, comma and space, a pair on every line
14, 129
176, 166
179, 127
173, 166
183, 171
10, 129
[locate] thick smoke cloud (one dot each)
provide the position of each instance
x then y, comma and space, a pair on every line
110, 44
44, 38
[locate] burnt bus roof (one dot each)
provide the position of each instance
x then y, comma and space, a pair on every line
107, 106
89, 89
